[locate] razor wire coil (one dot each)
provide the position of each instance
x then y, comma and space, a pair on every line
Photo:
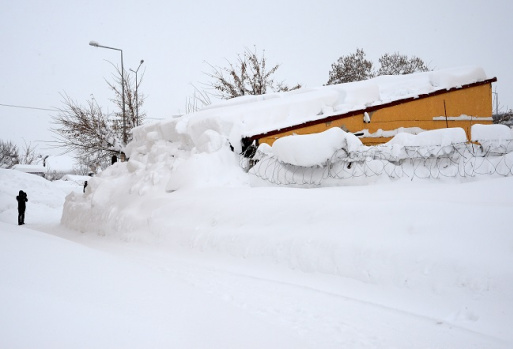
463, 160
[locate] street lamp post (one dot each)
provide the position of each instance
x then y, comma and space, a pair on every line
136, 94
95, 44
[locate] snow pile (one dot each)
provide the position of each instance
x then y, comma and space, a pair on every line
441, 137
48, 195
314, 149
432, 143
449, 78
318, 157
497, 133
78, 179
496, 139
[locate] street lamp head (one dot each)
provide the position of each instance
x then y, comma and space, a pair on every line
135, 71
93, 43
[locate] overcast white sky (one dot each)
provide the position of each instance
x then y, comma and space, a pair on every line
45, 46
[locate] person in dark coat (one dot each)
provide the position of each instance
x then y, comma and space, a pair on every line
22, 199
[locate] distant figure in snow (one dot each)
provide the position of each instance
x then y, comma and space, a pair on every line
85, 185
22, 199
114, 159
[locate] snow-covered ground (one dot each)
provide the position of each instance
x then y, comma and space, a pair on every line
398, 265
180, 247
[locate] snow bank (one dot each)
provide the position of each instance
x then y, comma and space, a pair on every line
441, 137
491, 133
49, 196
78, 179
496, 139
313, 149
335, 144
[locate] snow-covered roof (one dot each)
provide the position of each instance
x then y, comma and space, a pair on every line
60, 163
246, 116
57, 163
29, 168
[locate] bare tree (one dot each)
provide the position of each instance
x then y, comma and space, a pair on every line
353, 67
397, 64
249, 75
91, 134
87, 131
29, 154
8, 154
199, 100
133, 100
505, 118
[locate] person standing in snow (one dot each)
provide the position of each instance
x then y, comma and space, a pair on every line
22, 199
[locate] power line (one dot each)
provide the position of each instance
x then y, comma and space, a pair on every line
25, 107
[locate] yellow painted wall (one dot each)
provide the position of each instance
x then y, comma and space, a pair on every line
474, 101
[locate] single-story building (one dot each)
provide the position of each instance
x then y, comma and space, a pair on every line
52, 167
38, 170
379, 108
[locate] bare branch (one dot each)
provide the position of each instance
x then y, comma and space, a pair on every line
199, 100
248, 76
29, 154
92, 135
85, 130
8, 154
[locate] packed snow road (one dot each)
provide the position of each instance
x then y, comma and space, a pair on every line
315, 310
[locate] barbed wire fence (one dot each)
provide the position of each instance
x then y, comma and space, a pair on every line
460, 160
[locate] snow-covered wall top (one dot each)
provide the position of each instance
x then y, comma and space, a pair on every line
249, 115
